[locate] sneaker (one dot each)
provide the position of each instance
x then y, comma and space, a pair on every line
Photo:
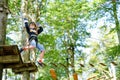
21, 50
40, 62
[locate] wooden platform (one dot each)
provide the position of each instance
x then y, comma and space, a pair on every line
9, 54
31, 67
10, 58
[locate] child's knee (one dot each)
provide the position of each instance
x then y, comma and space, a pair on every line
43, 51
41, 47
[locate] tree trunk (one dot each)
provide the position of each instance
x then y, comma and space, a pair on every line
116, 19
72, 59
26, 75
26, 57
3, 21
67, 71
70, 54
33, 59
118, 31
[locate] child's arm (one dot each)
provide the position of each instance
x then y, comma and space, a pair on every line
26, 25
40, 30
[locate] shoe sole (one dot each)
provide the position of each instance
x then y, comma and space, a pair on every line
40, 64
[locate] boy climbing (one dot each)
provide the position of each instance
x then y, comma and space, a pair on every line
33, 30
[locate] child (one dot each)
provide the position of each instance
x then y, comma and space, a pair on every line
33, 32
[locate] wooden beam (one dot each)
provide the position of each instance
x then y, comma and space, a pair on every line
30, 69
15, 65
10, 59
9, 50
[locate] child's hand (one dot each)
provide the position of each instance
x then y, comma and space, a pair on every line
25, 20
33, 31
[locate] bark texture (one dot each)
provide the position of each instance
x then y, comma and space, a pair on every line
3, 22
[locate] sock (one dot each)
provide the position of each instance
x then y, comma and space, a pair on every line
40, 60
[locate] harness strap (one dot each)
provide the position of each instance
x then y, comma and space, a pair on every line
33, 37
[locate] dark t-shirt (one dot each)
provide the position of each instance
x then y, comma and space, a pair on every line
32, 33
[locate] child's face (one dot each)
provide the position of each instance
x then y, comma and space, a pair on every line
32, 26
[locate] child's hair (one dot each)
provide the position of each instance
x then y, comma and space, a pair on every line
33, 23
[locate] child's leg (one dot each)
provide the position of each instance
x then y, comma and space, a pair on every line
41, 48
42, 54
31, 46
28, 47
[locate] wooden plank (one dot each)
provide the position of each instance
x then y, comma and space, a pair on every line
31, 67
10, 59
9, 50
30, 64
10, 56
30, 71
13, 65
